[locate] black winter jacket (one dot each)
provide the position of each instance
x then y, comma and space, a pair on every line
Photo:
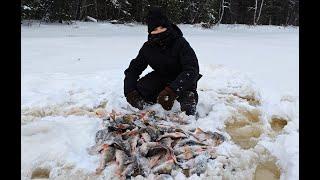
176, 62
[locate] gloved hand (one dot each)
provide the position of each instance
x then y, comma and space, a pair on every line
166, 98
135, 99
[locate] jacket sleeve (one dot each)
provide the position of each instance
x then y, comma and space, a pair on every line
132, 73
190, 69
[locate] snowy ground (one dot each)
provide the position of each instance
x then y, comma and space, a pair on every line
249, 92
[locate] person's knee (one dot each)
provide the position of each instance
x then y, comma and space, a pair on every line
189, 96
188, 102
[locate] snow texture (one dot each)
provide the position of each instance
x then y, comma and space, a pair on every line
249, 93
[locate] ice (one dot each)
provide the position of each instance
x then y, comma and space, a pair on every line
72, 75
267, 171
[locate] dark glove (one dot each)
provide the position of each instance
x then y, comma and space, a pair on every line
166, 98
135, 99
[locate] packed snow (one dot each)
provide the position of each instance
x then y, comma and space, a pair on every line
249, 92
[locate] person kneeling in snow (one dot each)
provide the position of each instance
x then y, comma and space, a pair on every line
175, 65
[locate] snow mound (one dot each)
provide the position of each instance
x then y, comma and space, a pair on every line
61, 122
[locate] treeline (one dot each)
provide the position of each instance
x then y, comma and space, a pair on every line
207, 12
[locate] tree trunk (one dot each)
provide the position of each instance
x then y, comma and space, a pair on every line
83, 11
259, 12
106, 10
255, 12
219, 13
222, 12
96, 7
78, 10
270, 20
288, 16
138, 11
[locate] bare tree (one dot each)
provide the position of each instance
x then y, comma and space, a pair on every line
255, 12
255, 18
261, 5
223, 5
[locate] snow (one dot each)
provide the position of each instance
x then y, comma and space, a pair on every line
61, 139
91, 19
69, 71
26, 7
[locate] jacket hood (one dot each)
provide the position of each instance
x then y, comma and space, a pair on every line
177, 29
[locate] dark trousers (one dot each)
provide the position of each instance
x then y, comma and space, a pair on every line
152, 84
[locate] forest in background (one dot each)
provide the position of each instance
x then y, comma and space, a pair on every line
206, 12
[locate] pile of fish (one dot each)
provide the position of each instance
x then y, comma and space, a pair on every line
144, 143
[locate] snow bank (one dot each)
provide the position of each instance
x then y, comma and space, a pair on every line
57, 142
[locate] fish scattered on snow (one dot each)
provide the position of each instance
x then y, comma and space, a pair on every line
145, 143
108, 154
